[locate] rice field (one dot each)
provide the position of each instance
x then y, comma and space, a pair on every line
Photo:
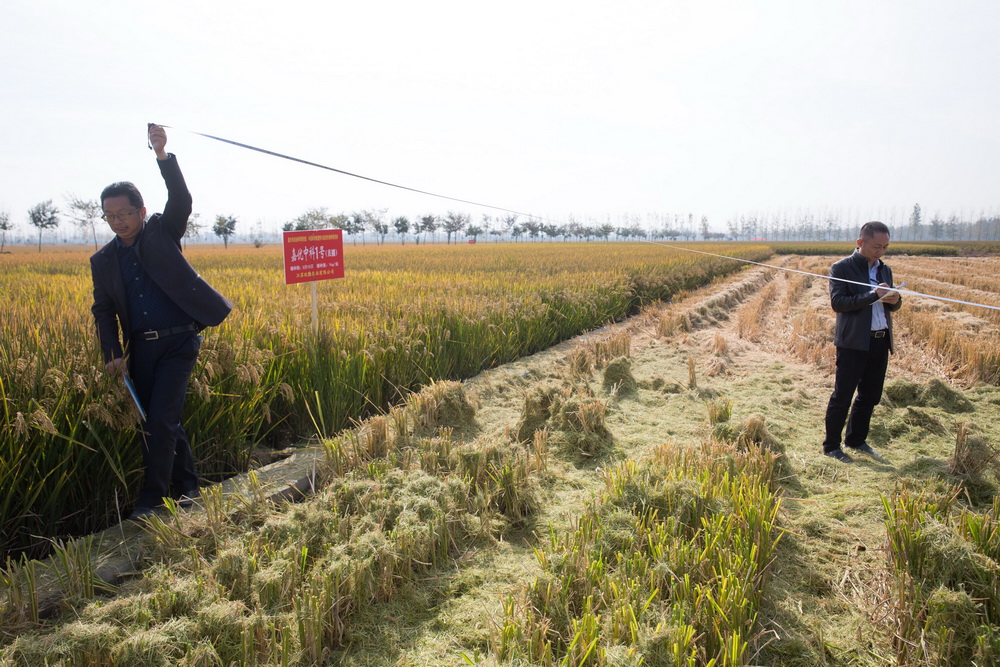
651, 495
401, 319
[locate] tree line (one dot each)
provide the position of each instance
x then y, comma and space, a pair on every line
377, 225
86, 215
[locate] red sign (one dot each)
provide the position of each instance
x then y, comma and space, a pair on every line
317, 254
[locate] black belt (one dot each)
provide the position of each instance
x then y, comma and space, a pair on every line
163, 333
881, 333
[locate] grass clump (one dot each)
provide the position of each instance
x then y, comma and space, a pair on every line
925, 421
502, 476
581, 362
901, 393
951, 624
940, 395
536, 411
972, 458
618, 379
612, 347
442, 404
719, 410
754, 433
578, 421
574, 417
945, 580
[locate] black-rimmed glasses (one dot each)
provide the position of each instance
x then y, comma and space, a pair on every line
119, 217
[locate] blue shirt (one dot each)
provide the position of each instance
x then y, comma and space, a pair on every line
149, 308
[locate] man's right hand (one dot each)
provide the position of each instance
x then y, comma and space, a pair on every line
886, 293
116, 367
157, 140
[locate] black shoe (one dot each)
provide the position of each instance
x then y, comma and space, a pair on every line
867, 449
140, 513
840, 455
188, 497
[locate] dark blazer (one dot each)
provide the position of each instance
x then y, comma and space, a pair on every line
852, 303
159, 251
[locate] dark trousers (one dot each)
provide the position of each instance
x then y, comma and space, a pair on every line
160, 370
864, 372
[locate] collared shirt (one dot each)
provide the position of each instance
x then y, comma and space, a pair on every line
878, 310
149, 307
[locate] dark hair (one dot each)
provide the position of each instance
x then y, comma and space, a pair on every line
123, 188
870, 229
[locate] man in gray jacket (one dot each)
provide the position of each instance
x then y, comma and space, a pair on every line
146, 292
863, 339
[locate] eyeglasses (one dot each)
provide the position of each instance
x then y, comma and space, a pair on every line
119, 217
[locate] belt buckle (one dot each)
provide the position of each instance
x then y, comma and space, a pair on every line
879, 334
151, 335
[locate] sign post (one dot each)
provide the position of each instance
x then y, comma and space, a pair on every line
312, 255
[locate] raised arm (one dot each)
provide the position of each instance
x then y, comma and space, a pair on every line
178, 207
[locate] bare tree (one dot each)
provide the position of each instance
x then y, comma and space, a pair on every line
5, 226
455, 223
194, 228
915, 226
43, 216
313, 218
354, 225
428, 224
509, 222
85, 213
533, 227
257, 237
375, 219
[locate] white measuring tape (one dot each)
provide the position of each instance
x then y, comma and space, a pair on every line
500, 208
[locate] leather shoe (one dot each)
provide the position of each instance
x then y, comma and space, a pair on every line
140, 513
188, 497
867, 449
840, 455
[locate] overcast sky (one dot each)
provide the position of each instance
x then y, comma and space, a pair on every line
559, 108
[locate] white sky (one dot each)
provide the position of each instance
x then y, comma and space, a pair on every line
558, 108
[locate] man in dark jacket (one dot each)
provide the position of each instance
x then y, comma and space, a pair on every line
145, 289
863, 338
